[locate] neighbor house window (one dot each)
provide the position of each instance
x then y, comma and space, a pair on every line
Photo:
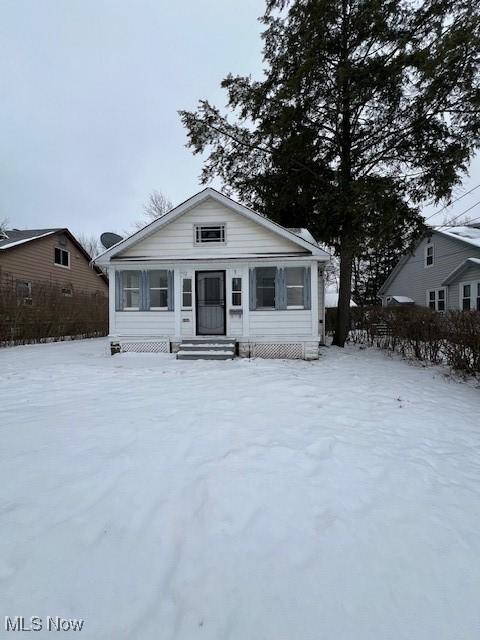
131, 290
265, 287
62, 257
436, 299
236, 292
470, 295
24, 292
158, 287
187, 293
295, 287
209, 233
429, 253
466, 297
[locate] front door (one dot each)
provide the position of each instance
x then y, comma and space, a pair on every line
210, 296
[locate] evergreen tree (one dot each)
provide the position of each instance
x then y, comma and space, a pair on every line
363, 103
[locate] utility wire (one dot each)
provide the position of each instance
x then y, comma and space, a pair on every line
453, 202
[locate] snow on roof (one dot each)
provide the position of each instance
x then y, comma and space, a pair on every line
331, 300
303, 233
468, 234
458, 271
13, 237
402, 299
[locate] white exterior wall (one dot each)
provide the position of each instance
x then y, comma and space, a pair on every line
247, 245
176, 325
242, 236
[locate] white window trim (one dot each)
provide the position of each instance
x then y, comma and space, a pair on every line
62, 266
473, 294
196, 227
427, 247
427, 297
237, 291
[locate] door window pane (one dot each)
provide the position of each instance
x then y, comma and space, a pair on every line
266, 287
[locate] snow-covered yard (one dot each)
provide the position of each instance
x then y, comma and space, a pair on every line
274, 500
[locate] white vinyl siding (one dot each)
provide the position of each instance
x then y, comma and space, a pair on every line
145, 324
281, 323
243, 236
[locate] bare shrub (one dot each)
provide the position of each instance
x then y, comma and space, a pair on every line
50, 314
419, 333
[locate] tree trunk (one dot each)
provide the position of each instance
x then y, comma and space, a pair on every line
344, 295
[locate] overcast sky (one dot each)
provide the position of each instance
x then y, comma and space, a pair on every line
89, 93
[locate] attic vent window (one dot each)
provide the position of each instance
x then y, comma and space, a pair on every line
209, 233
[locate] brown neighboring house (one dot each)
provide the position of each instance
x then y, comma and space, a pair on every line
30, 257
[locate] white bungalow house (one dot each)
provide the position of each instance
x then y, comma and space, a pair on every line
212, 277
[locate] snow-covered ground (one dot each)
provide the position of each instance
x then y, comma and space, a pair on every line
274, 500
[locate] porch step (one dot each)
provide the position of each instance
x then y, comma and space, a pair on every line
206, 350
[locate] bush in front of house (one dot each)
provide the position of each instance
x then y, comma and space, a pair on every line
419, 333
50, 314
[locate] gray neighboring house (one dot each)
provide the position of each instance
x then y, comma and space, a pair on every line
443, 272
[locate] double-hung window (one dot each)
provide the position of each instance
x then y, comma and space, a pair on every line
466, 297
295, 287
209, 233
131, 290
62, 257
236, 292
436, 299
429, 255
187, 293
470, 295
158, 289
265, 287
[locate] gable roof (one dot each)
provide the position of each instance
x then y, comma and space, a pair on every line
11, 238
467, 235
469, 262
300, 237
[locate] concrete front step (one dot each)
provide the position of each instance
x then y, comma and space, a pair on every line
205, 355
211, 349
209, 346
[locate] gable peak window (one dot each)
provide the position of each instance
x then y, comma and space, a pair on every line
62, 257
429, 255
209, 233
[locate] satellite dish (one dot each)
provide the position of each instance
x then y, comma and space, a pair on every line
108, 239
